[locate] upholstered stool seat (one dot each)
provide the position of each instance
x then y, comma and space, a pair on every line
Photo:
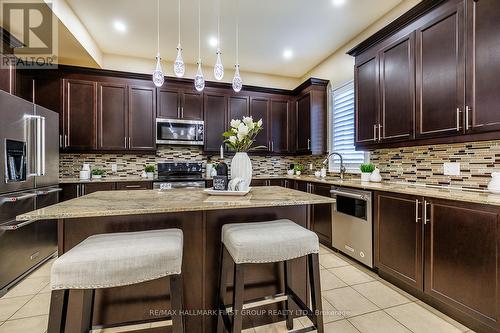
119, 259
273, 241
114, 260
276, 241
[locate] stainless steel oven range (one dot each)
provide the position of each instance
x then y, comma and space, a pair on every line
179, 175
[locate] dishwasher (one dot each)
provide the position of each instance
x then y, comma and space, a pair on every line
352, 226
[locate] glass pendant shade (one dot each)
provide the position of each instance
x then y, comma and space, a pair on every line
199, 80
218, 68
237, 82
179, 67
158, 76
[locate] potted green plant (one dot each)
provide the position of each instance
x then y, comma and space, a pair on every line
150, 171
97, 173
366, 171
299, 168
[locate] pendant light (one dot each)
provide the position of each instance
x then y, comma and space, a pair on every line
158, 76
179, 67
218, 68
199, 81
237, 82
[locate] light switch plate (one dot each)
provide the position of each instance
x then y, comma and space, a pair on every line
114, 168
451, 169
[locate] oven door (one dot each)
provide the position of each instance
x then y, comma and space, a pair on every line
179, 132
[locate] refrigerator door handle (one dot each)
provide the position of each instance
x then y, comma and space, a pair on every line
8, 226
39, 143
18, 198
49, 191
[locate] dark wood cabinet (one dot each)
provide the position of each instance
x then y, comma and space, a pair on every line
367, 100
303, 124
179, 103
483, 66
168, 104
69, 191
130, 186
215, 108
238, 107
259, 109
79, 115
141, 117
258, 182
279, 126
398, 237
301, 185
397, 90
461, 258
192, 106
112, 120
440, 80
88, 188
322, 214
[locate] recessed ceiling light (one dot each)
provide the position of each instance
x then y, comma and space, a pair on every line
212, 41
120, 26
338, 3
287, 54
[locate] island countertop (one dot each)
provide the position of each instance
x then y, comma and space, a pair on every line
115, 203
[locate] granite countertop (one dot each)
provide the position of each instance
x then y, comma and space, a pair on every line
438, 192
104, 180
114, 203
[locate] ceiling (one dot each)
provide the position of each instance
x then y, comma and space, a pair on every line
311, 29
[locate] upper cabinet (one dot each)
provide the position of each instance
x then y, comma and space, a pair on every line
215, 107
430, 76
112, 120
259, 109
179, 103
141, 117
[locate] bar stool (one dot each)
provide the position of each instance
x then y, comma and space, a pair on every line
267, 242
113, 260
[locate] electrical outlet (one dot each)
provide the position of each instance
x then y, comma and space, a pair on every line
114, 168
310, 166
451, 169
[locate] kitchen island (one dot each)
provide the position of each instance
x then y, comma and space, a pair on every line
201, 217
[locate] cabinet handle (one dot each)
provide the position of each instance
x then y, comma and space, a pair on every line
417, 218
125, 142
467, 111
60, 141
129, 145
308, 144
83, 190
77, 191
458, 119
182, 112
375, 132
425, 212
133, 186
272, 145
65, 141
379, 132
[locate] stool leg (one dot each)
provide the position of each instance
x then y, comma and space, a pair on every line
314, 277
238, 290
221, 296
79, 314
288, 315
176, 294
57, 312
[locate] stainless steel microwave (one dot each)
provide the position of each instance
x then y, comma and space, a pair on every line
179, 132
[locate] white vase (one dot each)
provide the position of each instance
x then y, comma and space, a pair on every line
375, 176
241, 167
365, 176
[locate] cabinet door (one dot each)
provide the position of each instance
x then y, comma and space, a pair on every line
258, 182
259, 109
304, 124
301, 186
276, 182
7, 74
238, 107
322, 215
366, 78
112, 116
461, 264
215, 121
168, 104
440, 75
79, 115
483, 65
279, 125
141, 118
96, 187
192, 106
398, 237
397, 88
129, 186
69, 191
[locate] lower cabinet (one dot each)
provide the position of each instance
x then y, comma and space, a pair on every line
446, 251
71, 191
129, 186
322, 214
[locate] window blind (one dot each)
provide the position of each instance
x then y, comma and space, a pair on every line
342, 129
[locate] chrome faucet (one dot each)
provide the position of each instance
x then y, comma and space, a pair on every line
342, 167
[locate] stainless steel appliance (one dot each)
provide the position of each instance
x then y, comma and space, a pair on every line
179, 175
352, 226
179, 132
29, 170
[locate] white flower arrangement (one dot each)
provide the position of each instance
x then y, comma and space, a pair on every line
241, 136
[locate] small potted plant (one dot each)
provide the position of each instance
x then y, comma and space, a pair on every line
366, 171
97, 173
299, 168
150, 171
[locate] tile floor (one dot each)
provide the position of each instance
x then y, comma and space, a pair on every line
356, 299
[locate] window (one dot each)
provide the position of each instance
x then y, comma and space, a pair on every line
342, 130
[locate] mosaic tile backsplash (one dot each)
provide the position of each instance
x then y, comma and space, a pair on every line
425, 164
133, 165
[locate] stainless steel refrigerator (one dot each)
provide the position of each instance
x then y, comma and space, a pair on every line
29, 171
